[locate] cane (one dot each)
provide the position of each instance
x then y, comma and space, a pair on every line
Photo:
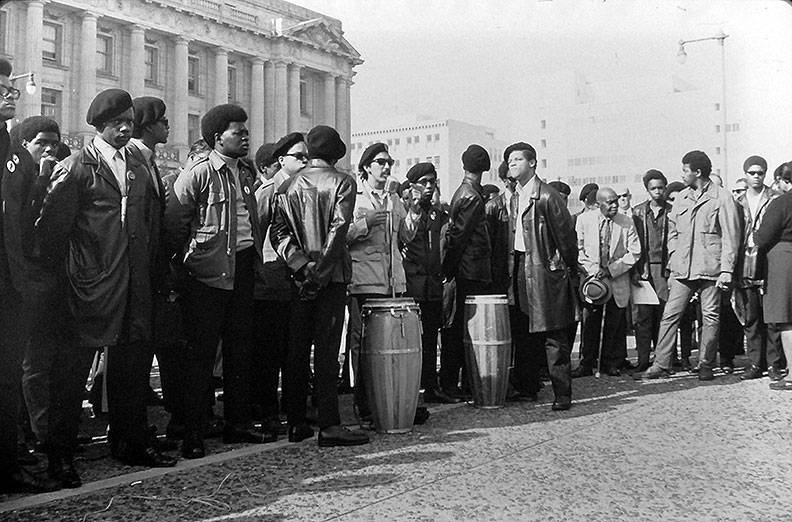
601, 342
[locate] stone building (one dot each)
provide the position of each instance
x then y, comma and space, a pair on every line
289, 67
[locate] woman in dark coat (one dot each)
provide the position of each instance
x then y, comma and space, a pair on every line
774, 237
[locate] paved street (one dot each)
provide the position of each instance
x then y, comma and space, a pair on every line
671, 450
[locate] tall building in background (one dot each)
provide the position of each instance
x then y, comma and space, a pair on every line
289, 67
440, 142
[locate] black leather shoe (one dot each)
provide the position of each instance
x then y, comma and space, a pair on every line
653, 373
727, 369
642, 367
235, 434
562, 404
582, 371
614, 372
340, 436
146, 456
775, 374
23, 481
705, 373
300, 432
438, 396
752, 372
174, 431
686, 366
215, 428
193, 447
62, 471
421, 415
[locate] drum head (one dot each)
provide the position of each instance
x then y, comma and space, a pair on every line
390, 303
486, 299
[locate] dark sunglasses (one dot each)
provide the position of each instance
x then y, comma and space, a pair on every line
382, 162
9, 93
299, 156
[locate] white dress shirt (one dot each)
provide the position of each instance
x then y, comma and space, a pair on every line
524, 200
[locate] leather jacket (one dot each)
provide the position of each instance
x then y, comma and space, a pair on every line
419, 240
497, 211
467, 239
640, 219
314, 211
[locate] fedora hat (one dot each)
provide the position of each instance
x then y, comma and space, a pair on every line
594, 291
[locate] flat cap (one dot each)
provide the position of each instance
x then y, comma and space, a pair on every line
420, 170
283, 145
324, 143
370, 153
475, 159
755, 160
587, 188
148, 110
561, 187
107, 105
29, 128
5, 67
265, 155
218, 118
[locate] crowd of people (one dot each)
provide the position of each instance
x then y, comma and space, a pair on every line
260, 261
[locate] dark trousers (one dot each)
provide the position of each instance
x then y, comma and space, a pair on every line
127, 371
647, 326
11, 354
431, 321
321, 322
452, 355
763, 340
170, 348
354, 340
730, 342
613, 338
213, 315
67, 388
688, 331
269, 356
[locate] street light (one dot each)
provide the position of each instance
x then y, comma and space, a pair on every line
682, 57
30, 86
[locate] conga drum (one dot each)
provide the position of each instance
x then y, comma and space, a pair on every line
488, 348
390, 360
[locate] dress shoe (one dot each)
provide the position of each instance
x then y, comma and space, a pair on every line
783, 384
421, 415
562, 404
340, 436
174, 431
613, 371
642, 367
439, 396
653, 373
62, 471
695, 369
23, 481
300, 432
163, 444
144, 456
775, 374
235, 434
214, 428
193, 447
752, 372
705, 373
727, 369
582, 371
274, 425
627, 365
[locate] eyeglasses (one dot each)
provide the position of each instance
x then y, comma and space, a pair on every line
382, 162
299, 156
738, 191
9, 93
755, 172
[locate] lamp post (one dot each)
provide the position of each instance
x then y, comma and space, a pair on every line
30, 86
682, 56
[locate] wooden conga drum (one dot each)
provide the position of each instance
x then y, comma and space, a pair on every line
391, 362
488, 348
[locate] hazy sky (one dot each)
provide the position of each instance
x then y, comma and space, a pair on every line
480, 61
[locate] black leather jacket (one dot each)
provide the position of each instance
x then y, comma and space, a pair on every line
314, 210
467, 238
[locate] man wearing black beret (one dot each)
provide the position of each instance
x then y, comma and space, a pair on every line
98, 215
562, 188
212, 223
310, 234
467, 261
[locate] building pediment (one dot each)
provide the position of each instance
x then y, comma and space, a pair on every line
317, 33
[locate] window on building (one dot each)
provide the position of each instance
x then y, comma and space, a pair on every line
717, 106
396, 141
193, 128
437, 161
544, 163
429, 159
390, 142
359, 145
417, 160
717, 150
51, 42
232, 83
396, 164
152, 64
409, 140
416, 139
437, 137
544, 144
428, 138
51, 105
303, 97
193, 75
3, 31
717, 128
543, 124
104, 53
735, 127
409, 161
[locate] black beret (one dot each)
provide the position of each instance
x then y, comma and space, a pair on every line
107, 105
30, 127
588, 187
520, 145
489, 189
218, 118
325, 143
755, 160
420, 170
475, 159
405, 185
265, 155
503, 170
148, 110
369, 154
283, 145
561, 187
675, 186
5, 67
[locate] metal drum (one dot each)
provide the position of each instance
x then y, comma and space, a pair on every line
391, 362
488, 348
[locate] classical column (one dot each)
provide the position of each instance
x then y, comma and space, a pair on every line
269, 103
221, 76
281, 100
256, 103
294, 98
35, 21
330, 99
178, 116
137, 61
342, 121
87, 89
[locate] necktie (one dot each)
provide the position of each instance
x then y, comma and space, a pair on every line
605, 235
514, 208
155, 175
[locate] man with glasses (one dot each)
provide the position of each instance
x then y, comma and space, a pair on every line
625, 198
739, 188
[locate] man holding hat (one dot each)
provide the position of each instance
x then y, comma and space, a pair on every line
274, 289
467, 261
310, 233
212, 220
99, 215
419, 239
608, 248
764, 350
